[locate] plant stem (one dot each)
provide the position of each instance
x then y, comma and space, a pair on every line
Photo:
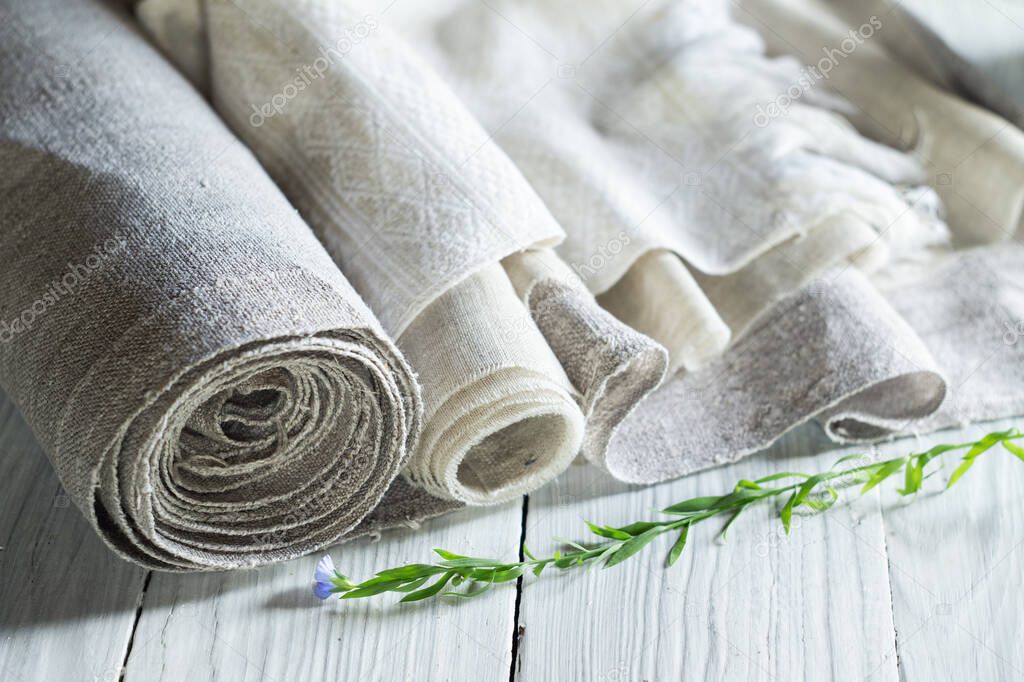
813, 491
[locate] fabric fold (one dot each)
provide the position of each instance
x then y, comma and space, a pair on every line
828, 350
644, 235
211, 391
611, 365
973, 157
417, 206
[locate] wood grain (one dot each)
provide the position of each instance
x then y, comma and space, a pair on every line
67, 604
761, 606
266, 625
955, 563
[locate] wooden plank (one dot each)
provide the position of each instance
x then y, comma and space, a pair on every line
266, 625
815, 605
67, 604
956, 561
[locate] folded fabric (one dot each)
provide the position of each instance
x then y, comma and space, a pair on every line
417, 208
606, 234
699, 213
211, 391
702, 222
972, 157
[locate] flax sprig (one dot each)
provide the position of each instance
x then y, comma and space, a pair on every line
461, 577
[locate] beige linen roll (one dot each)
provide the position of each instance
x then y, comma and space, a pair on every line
211, 391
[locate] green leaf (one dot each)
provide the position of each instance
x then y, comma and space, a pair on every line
976, 450
527, 553
882, 472
608, 551
787, 512
607, 532
631, 547
912, 478
564, 560
822, 505
409, 587
426, 592
370, 590
849, 458
692, 505
960, 471
409, 572
805, 490
732, 520
569, 543
1014, 449
474, 590
470, 562
639, 527
677, 548
779, 476
497, 576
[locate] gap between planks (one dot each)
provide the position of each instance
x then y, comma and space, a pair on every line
135, 625
517, 632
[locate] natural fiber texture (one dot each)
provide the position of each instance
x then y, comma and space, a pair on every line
594, 233
211, 391
739, 244
417, 207
500, 416
740, 239
611, 365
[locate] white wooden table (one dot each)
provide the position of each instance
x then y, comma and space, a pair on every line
875, 589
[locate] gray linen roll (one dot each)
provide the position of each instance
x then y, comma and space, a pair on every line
210, 389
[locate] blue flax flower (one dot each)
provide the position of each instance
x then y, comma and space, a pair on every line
326, 579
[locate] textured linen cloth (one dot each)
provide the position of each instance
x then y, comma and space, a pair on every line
728, 233
211, 391
603, 233
772, 247
418, 207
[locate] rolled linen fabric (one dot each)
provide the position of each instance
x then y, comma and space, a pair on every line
646, 146
210, 389
612, 366
659, 278
417, 207
500, 416
499, 375
694, 221
767, 220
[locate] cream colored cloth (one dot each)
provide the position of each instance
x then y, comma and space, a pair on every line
698, 212
585, 234
417, 206
971, 156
